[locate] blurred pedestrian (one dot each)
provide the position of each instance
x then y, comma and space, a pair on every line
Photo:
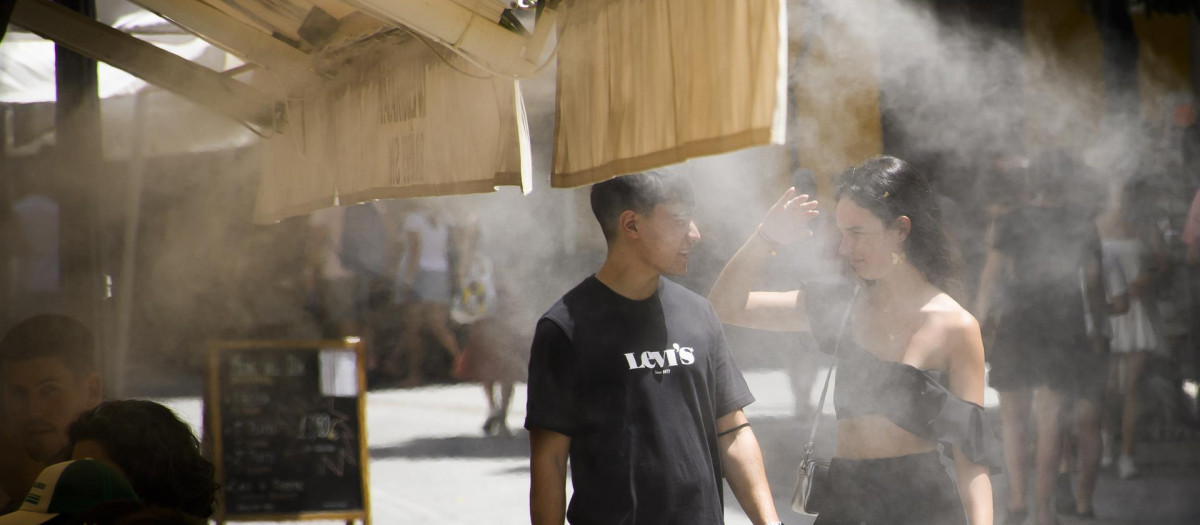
1191, 231
492, 355
49, 376
1082, 442
1137, 333
333, 290
34, 283
631, 380
1043, 356
367, 251
425, 286
153, 448
1001, 186
910, 359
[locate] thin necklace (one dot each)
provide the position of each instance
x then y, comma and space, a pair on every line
885, 321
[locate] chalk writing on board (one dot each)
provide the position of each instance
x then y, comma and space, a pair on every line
287, 446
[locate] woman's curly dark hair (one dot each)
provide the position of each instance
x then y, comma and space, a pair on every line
157, 452
889, 187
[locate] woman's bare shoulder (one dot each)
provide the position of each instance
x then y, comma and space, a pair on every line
949, 335
952, 323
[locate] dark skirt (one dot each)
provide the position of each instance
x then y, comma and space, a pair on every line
1041, 343
914, 489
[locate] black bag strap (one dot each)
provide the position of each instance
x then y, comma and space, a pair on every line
812, 435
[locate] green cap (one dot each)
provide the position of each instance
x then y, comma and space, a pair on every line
70, 487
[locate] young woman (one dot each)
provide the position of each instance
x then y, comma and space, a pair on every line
1044, 256
492, 355
1135, 333
910, 372
426, 283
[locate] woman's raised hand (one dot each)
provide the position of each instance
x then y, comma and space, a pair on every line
788, 220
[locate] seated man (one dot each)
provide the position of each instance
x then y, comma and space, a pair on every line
48, 377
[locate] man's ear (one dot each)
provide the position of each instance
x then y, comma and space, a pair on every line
629, 223
904, 224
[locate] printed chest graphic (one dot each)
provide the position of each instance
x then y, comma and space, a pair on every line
661, 362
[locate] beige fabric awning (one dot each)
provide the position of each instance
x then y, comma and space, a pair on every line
359, 108
405, 123
647, 83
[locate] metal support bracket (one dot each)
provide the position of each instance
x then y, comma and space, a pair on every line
147, 62
290, 65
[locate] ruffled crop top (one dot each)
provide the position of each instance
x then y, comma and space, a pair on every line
915, 400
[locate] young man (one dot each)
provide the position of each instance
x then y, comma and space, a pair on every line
631, 379
49, 377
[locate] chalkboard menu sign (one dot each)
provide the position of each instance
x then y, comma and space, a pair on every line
286, 419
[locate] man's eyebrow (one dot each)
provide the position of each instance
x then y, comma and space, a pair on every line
47, 380
39, 383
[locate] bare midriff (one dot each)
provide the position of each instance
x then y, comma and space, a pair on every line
874, 436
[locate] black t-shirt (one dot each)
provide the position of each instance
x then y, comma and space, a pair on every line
1049, 246
638, 386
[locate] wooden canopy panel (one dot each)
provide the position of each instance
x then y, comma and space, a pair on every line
647, 83
408, 124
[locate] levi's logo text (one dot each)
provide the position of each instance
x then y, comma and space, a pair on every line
662, 361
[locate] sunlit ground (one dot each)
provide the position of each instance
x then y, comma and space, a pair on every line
430, 462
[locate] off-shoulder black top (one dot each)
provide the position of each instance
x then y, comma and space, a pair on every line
915, 400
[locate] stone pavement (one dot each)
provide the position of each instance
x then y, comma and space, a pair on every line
431, 464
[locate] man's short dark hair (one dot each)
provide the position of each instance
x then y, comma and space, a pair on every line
639, 192
53, 336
